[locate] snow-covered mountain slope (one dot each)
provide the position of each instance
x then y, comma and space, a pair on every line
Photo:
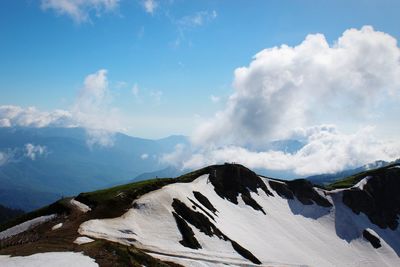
221, 215
232, 216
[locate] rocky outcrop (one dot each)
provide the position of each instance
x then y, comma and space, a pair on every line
302, 189
230, 180
379, 198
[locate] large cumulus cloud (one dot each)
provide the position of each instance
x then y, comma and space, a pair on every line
285, 90
287, 87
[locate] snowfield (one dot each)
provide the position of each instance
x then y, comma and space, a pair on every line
80, 206
25, 226
49, 259
290, 234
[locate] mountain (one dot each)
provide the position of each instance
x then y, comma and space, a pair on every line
325, 179
52, 162
221, 215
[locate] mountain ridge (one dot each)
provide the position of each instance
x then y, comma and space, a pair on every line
204, 207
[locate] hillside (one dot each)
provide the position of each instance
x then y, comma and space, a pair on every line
7, 214
219, 215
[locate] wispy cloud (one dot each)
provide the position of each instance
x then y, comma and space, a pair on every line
190, 22
33, 151
156, 96
197, 19
150, 6
80, 10
92, 110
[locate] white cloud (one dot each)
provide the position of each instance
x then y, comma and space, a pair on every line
327, 151
31, 117
284, 89
191, 22
288, 87
144, 156
92, 110
80, 10
34, 151
215, 99
150, 6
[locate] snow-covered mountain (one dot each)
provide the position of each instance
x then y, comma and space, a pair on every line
222, 215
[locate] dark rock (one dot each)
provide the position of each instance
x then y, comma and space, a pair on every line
195, 206
200, 221
245, 253
230, 180
248, 200
282, 189
197, 219
375, 242
188, 239
379, 199
204, 201
302, 189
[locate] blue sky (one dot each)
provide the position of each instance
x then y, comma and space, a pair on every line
166, 67
45, 55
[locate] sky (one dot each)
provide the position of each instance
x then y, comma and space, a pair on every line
231, 75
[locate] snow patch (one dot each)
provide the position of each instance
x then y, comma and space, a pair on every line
49, 259
57, 226
83, 240
82, 207
25, 226
362, 183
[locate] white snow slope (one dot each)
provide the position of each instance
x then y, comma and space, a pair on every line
290, 234
25, 226
49, 259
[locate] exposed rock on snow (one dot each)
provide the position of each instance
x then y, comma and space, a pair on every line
375, 242
378, 198
25, 226
49, 259
302, 189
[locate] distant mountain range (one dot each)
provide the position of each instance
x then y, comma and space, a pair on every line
324, 179
39, 165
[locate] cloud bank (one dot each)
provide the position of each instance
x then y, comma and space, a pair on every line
91, 110
326, 151
80, 10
